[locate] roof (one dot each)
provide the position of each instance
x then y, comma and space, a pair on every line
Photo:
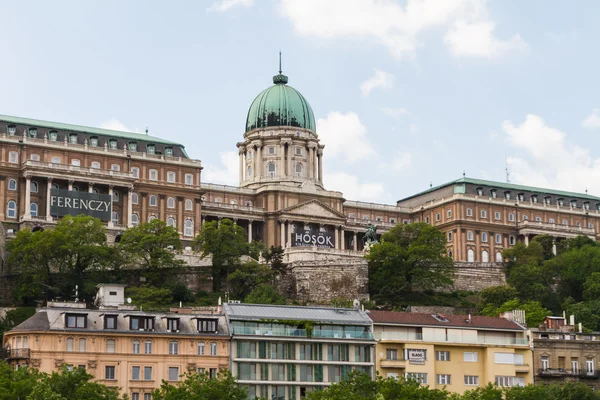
504, 185
256, 312
37, 322
86, 129
422, 319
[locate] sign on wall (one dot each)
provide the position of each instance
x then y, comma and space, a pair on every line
65, 202
313, 237
416, 356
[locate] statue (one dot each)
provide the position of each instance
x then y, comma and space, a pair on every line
370, 237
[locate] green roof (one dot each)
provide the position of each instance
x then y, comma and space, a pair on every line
280, 105
504, 185
86, 129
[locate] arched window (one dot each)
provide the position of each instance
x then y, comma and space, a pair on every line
82, 345
134, 198
171, 221
135, 346
469, 235
499, 257
511, 240
33, 209
250, 171
12, 184
35, 157
115, 196
151, 218
55, 186
188, 230
115, 217
498, 238
55, 160
271, 169
299, 169
484, 237
135, 220
96, 190
153, 201
96, 164
11, 209
470, 255
201, 348
170, 202
189, 205
75, 189
449, 236
485, 256
70, 342
213, 349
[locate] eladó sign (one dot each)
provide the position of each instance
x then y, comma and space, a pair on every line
65, 202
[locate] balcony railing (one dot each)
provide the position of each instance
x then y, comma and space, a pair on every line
558, 372
296, 332
74, 168
15, 354
237, 207
449, 339
556, 227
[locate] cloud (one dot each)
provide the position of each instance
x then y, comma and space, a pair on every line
476, 39
395, 112
380, 79
353, 189
395, 26
227, 173
549, 158
402, 161
226, 5
593, 120
344, 136
115, 125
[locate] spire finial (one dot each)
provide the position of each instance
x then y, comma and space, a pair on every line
279, 62
280, 78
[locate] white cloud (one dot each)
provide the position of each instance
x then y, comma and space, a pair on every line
380, 79
353, 189
476, 39
593, 120
393, 25
549, 158
344, 136
115, 125
402, 161
395, 112
227, 173
226, 5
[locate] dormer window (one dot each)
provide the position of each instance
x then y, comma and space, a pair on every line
573, 203
586, 205
133, 147
560, 202
169, 151
493, 193
173, 324
479, 191
547, 200
507, 195
76, 321
534, 198
94, 141
521, 197
141, 323
33, 133
112, 144
73, 138
150, 149
110, 322
440, 317
207, 325
12, 130
53, 136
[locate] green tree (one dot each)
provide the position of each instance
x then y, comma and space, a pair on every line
547, 243
274, 258
264, 294
256, 248
150, 297
152, 246
520, 254
532, 282
573, 268
74, 384
16, 384
586, 312
14, 318
226, 242
247, 277
591, 287
409, 257
202, 387
534, 311
495, 296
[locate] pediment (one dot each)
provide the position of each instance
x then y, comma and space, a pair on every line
313, 208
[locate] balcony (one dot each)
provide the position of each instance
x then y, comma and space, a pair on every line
74, 169
15, 354
397, 336
385, 363
538, 227
557, 372
296, 332
231, 207
522, 368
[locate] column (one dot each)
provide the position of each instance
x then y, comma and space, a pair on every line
254, 157
27, 213
197, 215
282, 160
554, 245
342, 238
241, 155
70, 185
259, 163
282, 229
110, 193
250, 231
355, 241
144, 217
336, 237
161, 208
91, 187
48, 199
291, 170
315, 163
320, 157
129, 207
526, 240
179, 209
311, 164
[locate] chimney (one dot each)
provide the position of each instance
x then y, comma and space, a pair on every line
580, 328
565, 316
468, 321
572, 320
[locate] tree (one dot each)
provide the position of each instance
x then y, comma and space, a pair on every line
264, 294
14, 318
75, 384
547, 243
532, 282
256, 248
495, 296
202, 387
588, 313
274, 258
520, 254
573, 269
534, 311
152, 246
16, 384
591, 287
226, 242
150, 297
247, 277
410, 257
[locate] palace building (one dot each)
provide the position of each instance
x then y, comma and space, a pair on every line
48, 170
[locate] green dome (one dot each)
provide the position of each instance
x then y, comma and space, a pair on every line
280, 105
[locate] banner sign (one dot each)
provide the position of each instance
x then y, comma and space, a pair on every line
65, 202
416, 356
313, 237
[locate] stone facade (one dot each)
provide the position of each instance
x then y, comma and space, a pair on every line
478, 276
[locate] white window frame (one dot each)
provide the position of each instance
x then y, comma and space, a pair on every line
471, 380
484, 237
497, 215
188, 228
12, 184
469, 212
483, 214
471, 356
95, 164
153, 174
13, 157
498, 238
189, 179
135, 219
171, 202
171, 177
470, 235
11, 209
135, 172
443, 379
115, 167
189, 205
153, 201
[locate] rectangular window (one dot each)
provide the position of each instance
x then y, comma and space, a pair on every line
443, 379
135, 396
189, 179
109, 372
438, 217
76, 321
136, 347
511, 217
169, 151
483, 214
173, 324
442, 356
449, 213
504, 358
298, 151
278, 372
545, 363
171, 177
148, 347
470, 357
153, 175
469, 212
416, 376
147, 373
150, 149
141, 323
245, 349
207, 325
173, 347
471, 380
306, 351
135, 172
147, 396
173, 373
110, 322
70, 344
247, 371
115, 167
110, 345
82, 345
497, 216
133, 147
272, 150
135, 373
306, 373
391, 354
212, 373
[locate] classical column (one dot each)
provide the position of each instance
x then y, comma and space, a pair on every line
355, 241
161, 210
287, 233
48, 199
282, 160
315, 163
259, 162
110, 193
241, 156
336, 237
282, 230
180, 200
311, 164
342, 238
526, 239
254, 157
320, 158
129, 206
554, 245
250, 231
90, 187
27, 197
291, 171
144, 207
70, 185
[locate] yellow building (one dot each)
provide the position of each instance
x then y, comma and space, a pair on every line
121, 347
457, 352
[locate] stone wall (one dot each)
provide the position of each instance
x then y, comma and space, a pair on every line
478, 276
439, 309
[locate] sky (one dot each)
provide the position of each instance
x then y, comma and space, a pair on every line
406, 93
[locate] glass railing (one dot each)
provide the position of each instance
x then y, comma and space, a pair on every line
296, 332
342, 335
